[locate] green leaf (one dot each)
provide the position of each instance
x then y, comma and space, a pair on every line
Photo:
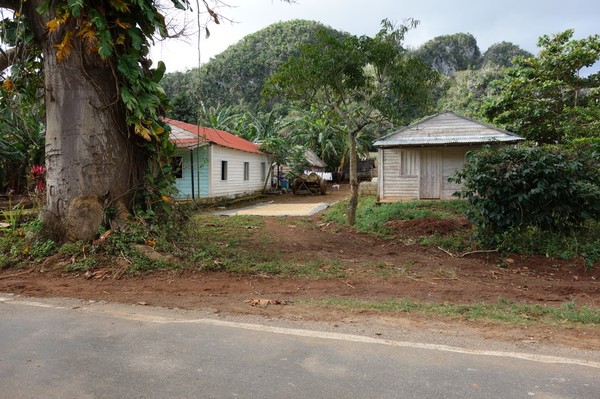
179, 5
159, 72
136, 38
128, 67
76, 6
128, 99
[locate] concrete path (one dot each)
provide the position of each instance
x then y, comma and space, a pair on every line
274, 209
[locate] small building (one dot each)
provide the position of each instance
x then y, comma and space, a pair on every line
313, 162
365, 170
211, 163
416, 161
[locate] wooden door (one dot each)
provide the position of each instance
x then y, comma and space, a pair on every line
430, 174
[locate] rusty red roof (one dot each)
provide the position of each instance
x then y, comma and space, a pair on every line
187, 135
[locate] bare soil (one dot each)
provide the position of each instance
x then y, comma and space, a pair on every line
395, 269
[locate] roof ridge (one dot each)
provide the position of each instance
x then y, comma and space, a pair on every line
473, 132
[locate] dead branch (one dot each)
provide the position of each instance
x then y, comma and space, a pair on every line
481, 251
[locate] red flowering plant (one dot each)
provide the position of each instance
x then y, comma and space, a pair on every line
38, 177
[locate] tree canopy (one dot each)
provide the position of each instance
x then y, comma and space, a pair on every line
548, 98
356, 82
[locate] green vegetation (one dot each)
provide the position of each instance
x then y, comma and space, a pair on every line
372, 218
567, 315
236, 76
358, 84
450, 53
535, 198
548, 98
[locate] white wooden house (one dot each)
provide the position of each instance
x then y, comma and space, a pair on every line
416, 161
212, 163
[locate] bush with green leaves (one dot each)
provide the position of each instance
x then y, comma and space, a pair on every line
550, 188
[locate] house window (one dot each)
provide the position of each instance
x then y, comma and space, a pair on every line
246, 170
263, 171
223, 170
177, 167
409, 163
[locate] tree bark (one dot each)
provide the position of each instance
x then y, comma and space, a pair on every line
92, 162
353, 201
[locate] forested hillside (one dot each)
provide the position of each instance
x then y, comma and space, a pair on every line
235, 77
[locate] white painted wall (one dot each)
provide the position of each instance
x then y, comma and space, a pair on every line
235, 184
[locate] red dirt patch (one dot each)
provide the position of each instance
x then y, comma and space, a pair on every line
429, 226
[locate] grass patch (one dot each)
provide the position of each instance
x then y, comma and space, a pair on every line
567, 315
371, 218
241, 245
531, 240
385, 270
24, 246
458, 242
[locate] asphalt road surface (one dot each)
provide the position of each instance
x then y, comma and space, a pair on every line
71, 350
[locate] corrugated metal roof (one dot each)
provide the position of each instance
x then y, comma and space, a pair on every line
186, 135
447, 128
314, 159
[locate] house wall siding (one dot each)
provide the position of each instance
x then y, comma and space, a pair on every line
394, 186
453, 159
200, 172
235, 184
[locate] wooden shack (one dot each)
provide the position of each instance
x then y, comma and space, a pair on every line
416, 161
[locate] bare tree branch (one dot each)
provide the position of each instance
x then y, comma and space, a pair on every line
10, 4
8, 57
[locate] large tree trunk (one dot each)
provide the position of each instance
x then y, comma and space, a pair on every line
91, 160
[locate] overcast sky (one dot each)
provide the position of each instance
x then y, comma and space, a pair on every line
518, 21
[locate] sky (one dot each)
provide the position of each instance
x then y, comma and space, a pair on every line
521, 22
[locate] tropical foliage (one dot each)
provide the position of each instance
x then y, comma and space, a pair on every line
548, 98
550, 188
21, 127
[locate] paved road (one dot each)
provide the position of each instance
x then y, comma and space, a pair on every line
72, 350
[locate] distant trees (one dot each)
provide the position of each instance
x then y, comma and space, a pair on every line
236, 76
223, 81
503, 55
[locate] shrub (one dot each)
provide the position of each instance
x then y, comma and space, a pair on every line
550, 188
